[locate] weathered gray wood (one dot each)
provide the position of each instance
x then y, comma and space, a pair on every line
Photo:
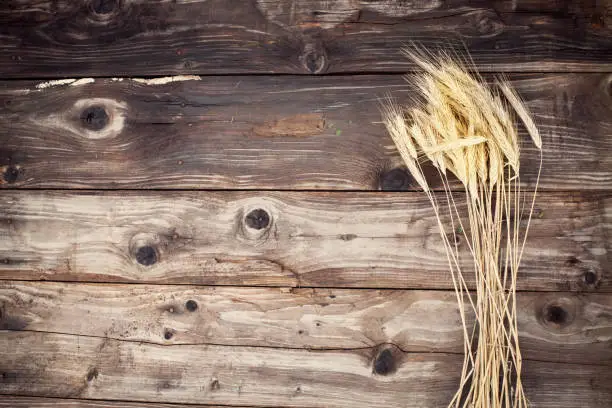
8, 401
43, 364
266, 132
79, 37
558, 327
304, 239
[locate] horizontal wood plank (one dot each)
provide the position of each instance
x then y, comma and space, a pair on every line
94, 38
9, 401
292, 239
267, 133
44, 364
556, 327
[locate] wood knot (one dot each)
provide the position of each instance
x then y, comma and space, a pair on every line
104, 6
385, 362
314, 58
191, 305
590, 278
146, 255
482, 24
95, 117
98, 118
557, 313
10, 174
257, 219
396, 179
92, 374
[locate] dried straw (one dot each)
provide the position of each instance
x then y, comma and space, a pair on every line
467, 129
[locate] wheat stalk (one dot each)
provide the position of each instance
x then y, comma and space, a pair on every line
467, 129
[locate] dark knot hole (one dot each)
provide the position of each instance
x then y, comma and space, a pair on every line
395, 180
257, 219
590, 278
146, 255
103, 6
556, 315
95, 117
11, 174
191, 305
384, 363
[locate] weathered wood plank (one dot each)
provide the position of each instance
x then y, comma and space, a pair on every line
337, 239
557, 327
266, 133
43, 364
9, 401
100, 38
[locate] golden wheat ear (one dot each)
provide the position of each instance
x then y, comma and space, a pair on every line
522, 112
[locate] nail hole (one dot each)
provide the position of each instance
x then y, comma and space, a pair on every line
94, 117
300, 331
11, 174
92, 374
395, 180
257, 219
191, 305
384, 363
168, 334
146, 256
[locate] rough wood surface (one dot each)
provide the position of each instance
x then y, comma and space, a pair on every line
266, 133
41, 402
35, 364
557, 327
112, 37
281, 239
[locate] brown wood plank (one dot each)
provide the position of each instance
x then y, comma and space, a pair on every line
266, 133
100, 38
9, 401
339, 239
44, 364
556, 327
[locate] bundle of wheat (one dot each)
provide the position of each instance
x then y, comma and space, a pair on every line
466, 128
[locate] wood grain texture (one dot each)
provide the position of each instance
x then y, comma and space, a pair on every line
266, 133
8, 401
35, 364
112, 37
557, 327
337, 239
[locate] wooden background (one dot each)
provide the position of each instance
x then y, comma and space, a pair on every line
200, 206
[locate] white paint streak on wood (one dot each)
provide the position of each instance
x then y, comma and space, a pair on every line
167, 80
55, 82
83, 81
